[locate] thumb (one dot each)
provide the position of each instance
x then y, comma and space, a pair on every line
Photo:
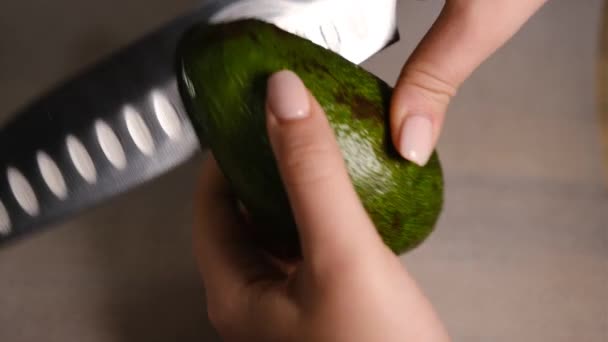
331, 220
464, 35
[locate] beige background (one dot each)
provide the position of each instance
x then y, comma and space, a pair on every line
521, 251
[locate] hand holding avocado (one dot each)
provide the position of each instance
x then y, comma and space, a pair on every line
224, 69
464, 35
347, 286
274, 152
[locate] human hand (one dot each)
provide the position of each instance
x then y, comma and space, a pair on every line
464, 35
348, 286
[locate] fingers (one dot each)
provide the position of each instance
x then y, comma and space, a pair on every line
223, 239
329, 215
464, 35
216, 230
227, 257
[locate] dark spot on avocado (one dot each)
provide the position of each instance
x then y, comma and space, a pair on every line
306, 67
362, 108
254, 37
315, 67
365, 109
320, 67
397, 224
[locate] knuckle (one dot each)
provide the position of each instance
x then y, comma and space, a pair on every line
308, 162
431, 85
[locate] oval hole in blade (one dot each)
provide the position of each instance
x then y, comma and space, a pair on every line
110, 145
81, 159
23, 192
52, 175
5, 220
140, 133
167, 115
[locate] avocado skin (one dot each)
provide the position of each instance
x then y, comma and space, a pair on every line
222, 74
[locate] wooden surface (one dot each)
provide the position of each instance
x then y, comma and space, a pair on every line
520, 252
602, 90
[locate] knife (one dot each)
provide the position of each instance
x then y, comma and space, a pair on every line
121, 123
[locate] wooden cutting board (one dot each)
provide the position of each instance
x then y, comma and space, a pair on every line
602, 89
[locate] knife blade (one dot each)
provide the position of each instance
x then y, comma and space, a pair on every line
121, 123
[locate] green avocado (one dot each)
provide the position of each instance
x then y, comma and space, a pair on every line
222, 73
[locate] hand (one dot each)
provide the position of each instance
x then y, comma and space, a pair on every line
464, 35
348, 286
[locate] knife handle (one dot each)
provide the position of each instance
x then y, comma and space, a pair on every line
103, 132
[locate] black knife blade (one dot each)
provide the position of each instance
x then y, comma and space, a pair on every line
108, 129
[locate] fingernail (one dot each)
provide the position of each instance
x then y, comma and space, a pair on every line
287, 96
416, 143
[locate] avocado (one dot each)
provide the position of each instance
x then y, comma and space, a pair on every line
222, 74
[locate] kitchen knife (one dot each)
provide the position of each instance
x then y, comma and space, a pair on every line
121, 122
